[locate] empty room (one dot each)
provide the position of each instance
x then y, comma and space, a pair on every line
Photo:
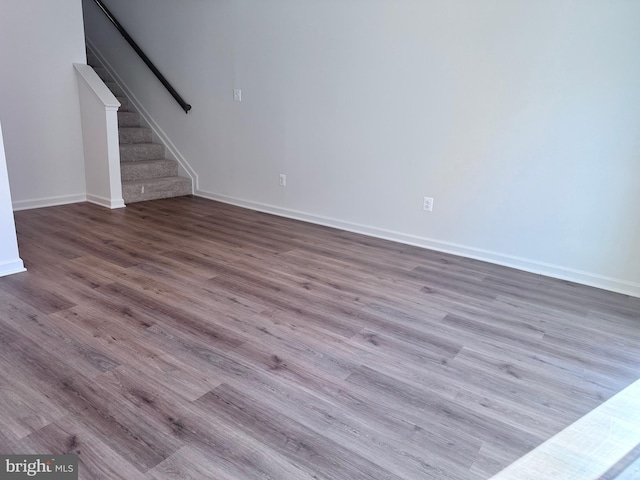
320, 239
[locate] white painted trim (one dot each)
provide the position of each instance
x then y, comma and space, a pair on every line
96, 86
153, 125
99, 112
106, 202
519, 263
48, 202
9, 268
66, 200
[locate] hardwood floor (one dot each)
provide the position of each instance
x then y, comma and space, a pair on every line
602, 445
185, 338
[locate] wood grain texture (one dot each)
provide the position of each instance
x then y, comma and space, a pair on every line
599, 446
185, 338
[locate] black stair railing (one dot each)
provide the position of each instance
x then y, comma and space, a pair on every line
185, 106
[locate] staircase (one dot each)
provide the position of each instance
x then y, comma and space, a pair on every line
146, 173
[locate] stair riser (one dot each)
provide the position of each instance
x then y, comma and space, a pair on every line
139, 135
141, 151
103, 74
115, 89
92, 60
145, 170
128, 119
106, 78
174, 188
124, 104
145, 174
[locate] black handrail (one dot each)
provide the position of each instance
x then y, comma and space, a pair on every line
185, 106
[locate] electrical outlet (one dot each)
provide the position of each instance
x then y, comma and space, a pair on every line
237, 95
283, 180
427, 204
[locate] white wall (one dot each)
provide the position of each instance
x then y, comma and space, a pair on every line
10, 261
39, 109
521, 118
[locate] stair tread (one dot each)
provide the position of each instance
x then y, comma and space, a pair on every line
124, 103
103, 73
134, 129
134, 146
115, 89
147, 162
158, 181
134, 135
147, 169
141, 151
128, 119
140, 156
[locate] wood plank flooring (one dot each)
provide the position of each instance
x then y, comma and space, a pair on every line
602, 445
189, 339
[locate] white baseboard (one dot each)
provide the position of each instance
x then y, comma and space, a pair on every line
519, 263
172, 150
9, 268
48, 201
106, 202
